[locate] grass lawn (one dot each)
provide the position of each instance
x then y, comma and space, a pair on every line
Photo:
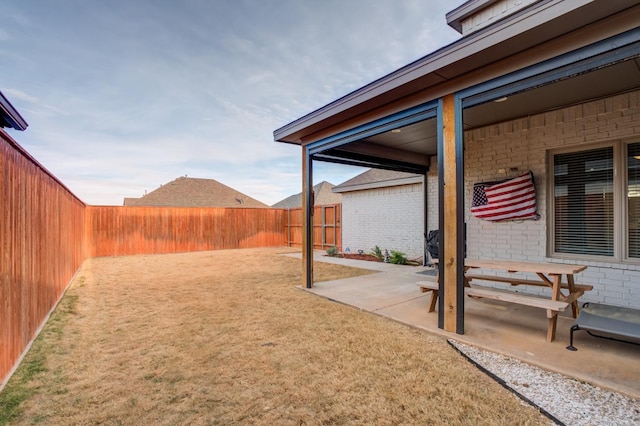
225, 337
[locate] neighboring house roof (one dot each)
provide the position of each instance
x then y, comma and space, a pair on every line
9, 116
378, 178
322, 196
194, 192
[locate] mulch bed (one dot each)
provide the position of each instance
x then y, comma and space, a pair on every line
368, 257
358, 256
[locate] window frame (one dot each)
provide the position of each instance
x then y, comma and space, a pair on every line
620, 203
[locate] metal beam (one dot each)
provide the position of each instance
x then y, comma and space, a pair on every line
385, 124
307, 221
381, 151
597, 55
441, 242
352, 159
460, 226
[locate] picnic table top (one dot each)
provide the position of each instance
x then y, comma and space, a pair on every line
520, 266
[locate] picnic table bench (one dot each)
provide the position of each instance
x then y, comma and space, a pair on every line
563, 294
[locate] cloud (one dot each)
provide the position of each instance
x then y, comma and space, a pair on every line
123, 96
18, 94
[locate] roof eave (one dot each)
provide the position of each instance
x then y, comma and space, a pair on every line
436, 66
10, 116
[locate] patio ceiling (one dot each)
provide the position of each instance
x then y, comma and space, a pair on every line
416, 142
604, 82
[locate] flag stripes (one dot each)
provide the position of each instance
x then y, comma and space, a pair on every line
512, 199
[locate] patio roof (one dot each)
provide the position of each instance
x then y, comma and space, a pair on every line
549, 55
541, 31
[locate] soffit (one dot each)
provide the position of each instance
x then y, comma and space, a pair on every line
618, 78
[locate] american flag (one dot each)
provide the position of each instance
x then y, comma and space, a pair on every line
512, 199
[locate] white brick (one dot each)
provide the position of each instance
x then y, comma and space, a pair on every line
391, 218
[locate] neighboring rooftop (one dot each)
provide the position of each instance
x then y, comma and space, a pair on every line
322, 195
194, 192
377, 178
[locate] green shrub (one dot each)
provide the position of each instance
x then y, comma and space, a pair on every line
398, 257
332, 251
377, 253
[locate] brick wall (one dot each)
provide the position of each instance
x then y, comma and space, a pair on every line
391, 218
523, 144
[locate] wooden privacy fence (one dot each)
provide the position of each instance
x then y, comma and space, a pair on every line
46, 232
115, 231
41, 247
327, 227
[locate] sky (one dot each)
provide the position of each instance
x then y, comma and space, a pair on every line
122, 96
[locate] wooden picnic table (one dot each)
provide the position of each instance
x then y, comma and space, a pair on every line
563, 293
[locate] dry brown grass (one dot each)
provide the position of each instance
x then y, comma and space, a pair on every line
225, 337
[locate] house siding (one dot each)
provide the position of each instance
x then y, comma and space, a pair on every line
391, 218
523, 144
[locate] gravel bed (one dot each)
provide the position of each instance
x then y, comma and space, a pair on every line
563, 399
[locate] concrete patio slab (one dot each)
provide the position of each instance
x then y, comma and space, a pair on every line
374, 294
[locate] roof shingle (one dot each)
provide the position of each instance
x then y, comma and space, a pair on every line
194, 192
322, 196
377, 178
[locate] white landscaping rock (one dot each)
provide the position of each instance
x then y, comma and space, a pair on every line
568, 400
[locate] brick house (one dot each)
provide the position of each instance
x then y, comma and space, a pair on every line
550, 87
383, 208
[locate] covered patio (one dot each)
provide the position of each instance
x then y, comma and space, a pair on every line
551, 88
507, 329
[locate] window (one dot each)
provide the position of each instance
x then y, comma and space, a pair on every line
591, 203
633, 199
